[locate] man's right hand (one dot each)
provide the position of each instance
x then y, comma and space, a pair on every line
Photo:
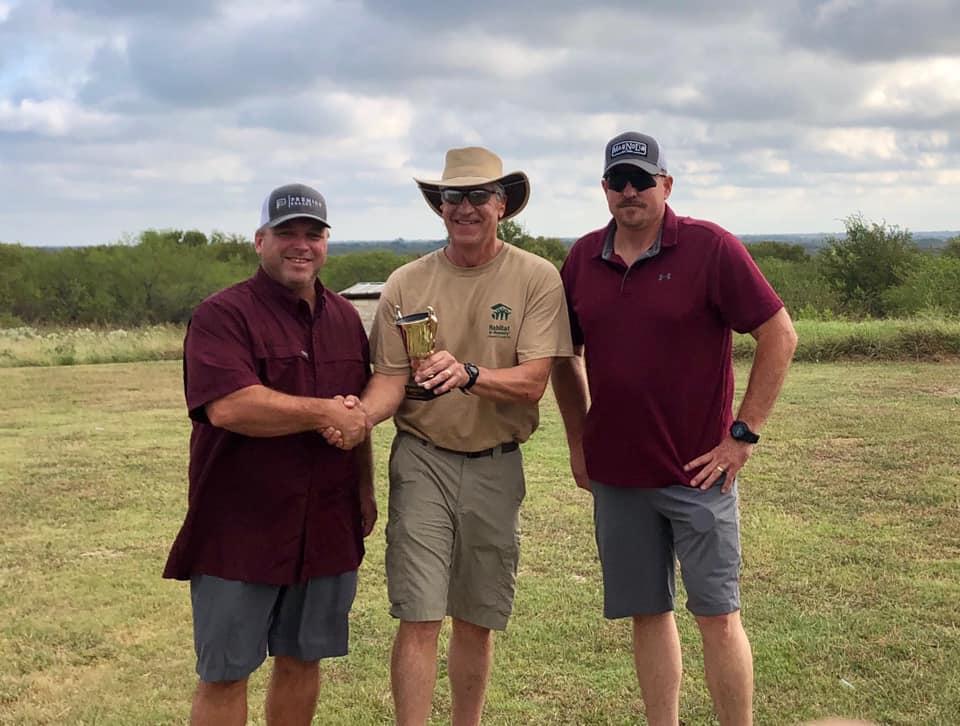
348, 427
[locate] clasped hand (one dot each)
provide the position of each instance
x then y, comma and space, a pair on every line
351, 424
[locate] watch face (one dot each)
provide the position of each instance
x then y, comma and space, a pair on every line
741, 432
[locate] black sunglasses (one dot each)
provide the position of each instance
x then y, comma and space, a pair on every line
618, 177
476, 197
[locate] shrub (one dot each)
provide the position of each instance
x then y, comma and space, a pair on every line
779, 250
342, 271
952, 247
871, 259
802, 287
932, 285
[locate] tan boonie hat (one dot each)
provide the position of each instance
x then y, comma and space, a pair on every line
474, 166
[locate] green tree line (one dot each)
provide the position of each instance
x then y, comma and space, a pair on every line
874, 270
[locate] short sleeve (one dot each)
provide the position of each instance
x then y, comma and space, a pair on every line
217, 357
545, 331
568, 276
738, 290
386, 344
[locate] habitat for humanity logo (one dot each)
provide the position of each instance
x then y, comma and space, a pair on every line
500, 311
499, 330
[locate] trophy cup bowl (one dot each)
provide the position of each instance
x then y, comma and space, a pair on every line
419, 333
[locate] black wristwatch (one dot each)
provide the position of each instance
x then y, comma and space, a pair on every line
741, 432
472, 373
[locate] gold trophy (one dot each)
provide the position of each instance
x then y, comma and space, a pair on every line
419, 332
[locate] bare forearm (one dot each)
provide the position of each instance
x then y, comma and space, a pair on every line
776, 342
262, 412
382, 397
570, 388
523, 383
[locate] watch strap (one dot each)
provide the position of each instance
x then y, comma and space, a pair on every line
472, 373
740, 431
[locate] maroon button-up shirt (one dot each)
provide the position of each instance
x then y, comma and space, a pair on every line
273, 510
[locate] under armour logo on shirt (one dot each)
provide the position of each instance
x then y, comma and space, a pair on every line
663, 276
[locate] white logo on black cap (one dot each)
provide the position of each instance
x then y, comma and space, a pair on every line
295, 201
628, 147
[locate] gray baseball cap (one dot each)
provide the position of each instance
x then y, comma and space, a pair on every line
635, 149
290, 202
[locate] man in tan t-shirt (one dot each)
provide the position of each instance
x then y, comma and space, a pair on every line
456, 473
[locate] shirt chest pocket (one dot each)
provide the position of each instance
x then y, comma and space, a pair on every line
340, 373
286, 368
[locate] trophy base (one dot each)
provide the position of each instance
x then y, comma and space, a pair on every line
418, 393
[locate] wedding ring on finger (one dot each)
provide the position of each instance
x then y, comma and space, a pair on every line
720, 469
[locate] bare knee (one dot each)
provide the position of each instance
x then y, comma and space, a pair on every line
221, 691
720, 627
654, 619
657, 624
420, 632
469, 631
287, 667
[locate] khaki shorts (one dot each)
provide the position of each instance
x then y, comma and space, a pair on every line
453, 537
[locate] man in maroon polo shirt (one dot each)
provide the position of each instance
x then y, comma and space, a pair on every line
653, 301
276, 516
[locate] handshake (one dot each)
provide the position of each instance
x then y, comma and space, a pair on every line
349, 425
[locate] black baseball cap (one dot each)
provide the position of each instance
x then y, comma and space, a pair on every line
292, 201
637, 150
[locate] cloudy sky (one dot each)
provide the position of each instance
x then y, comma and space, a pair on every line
781, 116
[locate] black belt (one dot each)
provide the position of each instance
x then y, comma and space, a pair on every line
502, 448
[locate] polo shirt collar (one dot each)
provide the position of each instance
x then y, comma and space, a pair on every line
607, 252
267, 286
666, 237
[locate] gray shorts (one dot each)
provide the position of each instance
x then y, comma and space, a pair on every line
236, 623
453, 536
640, 533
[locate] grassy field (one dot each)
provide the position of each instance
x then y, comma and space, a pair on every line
932, 339
851, 514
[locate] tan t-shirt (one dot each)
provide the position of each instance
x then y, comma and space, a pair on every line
507, 311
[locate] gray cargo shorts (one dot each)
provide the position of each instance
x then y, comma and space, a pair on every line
641, 532
235, 624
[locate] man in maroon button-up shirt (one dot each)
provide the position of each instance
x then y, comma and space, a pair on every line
274, 529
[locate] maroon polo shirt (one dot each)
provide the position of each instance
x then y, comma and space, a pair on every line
658, 346
274, 510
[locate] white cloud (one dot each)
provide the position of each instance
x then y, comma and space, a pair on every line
55, 117
832, 10
127, 115
859, 143
200, 170
915, 87
948, 177
506, 58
